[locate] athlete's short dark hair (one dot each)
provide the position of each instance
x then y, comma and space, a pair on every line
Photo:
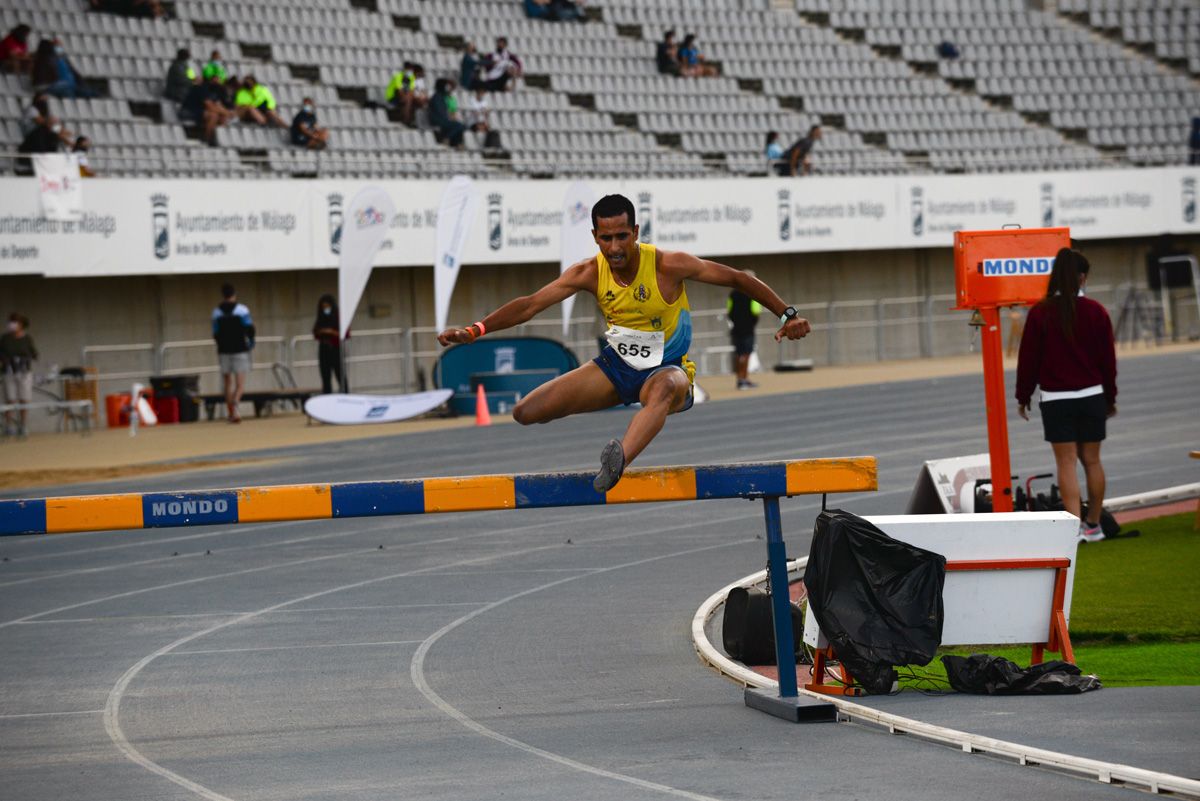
227, 290
613, 206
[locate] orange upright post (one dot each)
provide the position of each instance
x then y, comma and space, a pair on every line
993, 270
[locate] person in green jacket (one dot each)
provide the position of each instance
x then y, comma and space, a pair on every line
407, 92
214, 68
257, 96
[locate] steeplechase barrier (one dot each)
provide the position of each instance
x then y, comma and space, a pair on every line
765, 481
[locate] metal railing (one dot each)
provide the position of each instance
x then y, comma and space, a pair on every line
296, 162
843, 331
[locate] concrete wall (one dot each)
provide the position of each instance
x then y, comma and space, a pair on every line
68, 314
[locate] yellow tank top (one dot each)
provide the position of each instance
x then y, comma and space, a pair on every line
640, 306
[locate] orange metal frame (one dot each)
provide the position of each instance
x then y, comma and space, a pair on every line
1058, 639
988, 294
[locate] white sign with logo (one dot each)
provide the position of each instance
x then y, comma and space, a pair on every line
154, 227
59, 184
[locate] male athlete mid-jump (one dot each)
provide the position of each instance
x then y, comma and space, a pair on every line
640, 290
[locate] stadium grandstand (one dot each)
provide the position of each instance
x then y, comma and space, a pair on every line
899, 87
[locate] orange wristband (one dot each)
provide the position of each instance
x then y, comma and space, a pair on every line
482, 328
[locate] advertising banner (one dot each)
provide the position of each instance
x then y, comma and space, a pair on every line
457, 212
155, 227
362, 232
576, 241
60, 185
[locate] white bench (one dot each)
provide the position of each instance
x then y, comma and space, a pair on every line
75, 414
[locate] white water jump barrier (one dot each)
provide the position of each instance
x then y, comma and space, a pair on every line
1005, 606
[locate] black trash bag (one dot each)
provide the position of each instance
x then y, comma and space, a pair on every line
878, 600
984, 674
748, 629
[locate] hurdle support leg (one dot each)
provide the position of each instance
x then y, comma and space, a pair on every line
787, 704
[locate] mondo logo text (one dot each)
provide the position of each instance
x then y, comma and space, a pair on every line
1031, 265
176, 508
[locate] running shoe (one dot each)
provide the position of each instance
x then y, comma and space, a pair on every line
1090, 533
612, 466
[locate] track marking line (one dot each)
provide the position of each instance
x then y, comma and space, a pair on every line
296, 647
51, 714
112, 708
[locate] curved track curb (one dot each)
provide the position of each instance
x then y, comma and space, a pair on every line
1106, 772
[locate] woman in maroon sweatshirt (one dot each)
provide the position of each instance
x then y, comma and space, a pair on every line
1067, 350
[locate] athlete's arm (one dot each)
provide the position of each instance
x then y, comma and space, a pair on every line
581, 276
680, 265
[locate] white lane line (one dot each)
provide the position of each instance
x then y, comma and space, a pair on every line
222, 551
243, 529
51, 714
112, 708
122, 618
296, 647
418, 676
174, 584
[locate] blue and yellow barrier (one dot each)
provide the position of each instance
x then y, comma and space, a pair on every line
431, 495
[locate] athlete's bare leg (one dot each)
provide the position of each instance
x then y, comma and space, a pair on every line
664, 393
1093, 471
1065, 455
584, 389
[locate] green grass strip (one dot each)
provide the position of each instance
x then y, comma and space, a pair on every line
1135, 613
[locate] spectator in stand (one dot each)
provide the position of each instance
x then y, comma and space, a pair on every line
796, 157
14, 51
46, 135
468, 70
691, 63
407, 92
228, 100
81, 148
53, 73
443, 113
17, 355
233, 331
774, 153
1194, 142
554, 10
666, 55
501, 67
205, 106
257, 96
327, 331
948, 50
479, 110
214, 67
479, 119
180, 76
37, 113
305, 132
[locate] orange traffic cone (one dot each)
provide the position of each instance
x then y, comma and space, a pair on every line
483, 417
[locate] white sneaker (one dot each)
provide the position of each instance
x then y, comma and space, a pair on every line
1088, 533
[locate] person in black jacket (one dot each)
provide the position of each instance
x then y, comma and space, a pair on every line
233, 331
327, 332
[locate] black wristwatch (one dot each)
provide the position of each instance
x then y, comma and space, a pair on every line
789, 314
